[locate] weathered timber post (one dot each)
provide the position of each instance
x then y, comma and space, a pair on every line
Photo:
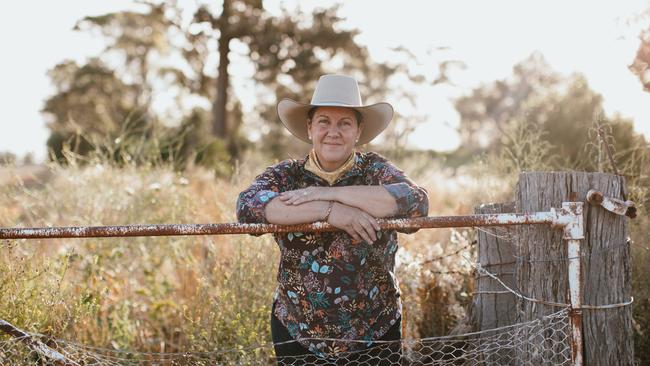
492, 306
542, 263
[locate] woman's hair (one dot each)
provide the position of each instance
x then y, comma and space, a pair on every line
357, 114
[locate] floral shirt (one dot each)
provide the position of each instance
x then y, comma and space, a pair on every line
330, 286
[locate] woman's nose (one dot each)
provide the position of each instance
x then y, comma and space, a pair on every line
333, 130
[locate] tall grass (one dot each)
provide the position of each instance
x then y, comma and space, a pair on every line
142, 293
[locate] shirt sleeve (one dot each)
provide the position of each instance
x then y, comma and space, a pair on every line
412, 200
251, 203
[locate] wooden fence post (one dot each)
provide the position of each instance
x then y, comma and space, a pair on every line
541, 269
494, 307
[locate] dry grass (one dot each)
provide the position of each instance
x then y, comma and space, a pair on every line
176, 293
201, 293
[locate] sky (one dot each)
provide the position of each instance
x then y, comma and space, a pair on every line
595, 38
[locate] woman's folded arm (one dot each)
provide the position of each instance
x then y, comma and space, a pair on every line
278, 212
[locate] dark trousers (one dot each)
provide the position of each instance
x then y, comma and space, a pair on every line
290, 352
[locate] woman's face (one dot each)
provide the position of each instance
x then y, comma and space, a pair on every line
334, 132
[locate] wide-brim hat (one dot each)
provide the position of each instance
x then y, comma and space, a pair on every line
335, 91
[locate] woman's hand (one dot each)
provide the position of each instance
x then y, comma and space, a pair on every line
357, 223
300, 196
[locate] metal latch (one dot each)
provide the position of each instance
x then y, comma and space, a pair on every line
610, 204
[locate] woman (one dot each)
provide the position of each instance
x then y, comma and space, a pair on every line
340, 285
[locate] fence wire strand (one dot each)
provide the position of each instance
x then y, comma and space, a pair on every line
544, 341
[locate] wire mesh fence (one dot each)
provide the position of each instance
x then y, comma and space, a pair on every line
544, 341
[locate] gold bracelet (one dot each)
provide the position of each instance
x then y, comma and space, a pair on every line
329, 211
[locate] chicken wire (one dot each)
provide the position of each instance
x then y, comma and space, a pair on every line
544, 341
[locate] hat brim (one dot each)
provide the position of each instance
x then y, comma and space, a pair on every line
376, 118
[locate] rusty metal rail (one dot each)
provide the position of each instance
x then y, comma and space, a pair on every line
236, 228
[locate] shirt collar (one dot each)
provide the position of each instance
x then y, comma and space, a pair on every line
355, 170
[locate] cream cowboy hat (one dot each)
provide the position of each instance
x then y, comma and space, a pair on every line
335, 91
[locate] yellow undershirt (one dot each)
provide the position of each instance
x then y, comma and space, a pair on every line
313, 165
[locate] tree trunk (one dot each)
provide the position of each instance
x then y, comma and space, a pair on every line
541, 270
219, 122
492, 308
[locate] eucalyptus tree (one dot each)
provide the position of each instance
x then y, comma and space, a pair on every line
163, 47
539, 115
288, 51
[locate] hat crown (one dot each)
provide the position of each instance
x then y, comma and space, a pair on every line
337, 90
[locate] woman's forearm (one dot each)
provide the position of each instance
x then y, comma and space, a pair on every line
277, 212
374, 200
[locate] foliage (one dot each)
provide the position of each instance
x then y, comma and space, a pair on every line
146, 143
165, 50
540, 120
91, 103
190, 293
102, 108
7, 158
641, 64
488, 110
